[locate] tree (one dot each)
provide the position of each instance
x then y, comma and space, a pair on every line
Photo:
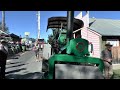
6, 28
32, 39
50, 39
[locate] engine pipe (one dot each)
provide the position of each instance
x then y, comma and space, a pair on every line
70, 18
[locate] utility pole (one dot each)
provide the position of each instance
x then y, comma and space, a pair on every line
38, 20
3, 21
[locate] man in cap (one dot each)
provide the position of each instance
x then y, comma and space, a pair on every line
3, 58
106, 56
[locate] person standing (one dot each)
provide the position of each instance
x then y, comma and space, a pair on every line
20, 46
106, 56
36, 49
3, 58
41, 46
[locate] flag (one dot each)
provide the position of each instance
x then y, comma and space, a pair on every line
79, 16
85, 19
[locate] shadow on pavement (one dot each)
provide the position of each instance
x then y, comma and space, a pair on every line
14, 57
13, 63
13, 71
34, 75
16, 65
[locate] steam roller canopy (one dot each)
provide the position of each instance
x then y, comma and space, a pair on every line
55, 22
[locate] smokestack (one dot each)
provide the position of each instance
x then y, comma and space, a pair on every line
79, 16
87, 12
70, 18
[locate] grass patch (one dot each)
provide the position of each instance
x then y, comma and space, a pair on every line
116, 74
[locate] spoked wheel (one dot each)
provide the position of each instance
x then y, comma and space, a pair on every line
45, 75
45, 66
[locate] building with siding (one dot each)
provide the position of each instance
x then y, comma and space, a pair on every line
101, 31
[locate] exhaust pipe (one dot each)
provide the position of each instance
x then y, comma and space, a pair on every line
70, 18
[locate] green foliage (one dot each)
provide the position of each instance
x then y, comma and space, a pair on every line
116, 74
6, 28
32, 39
50, 39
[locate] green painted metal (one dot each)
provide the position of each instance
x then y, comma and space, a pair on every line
62, 38
70, 58
78, 47
76, 51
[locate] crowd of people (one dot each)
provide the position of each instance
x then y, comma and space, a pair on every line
8, 49
3, 58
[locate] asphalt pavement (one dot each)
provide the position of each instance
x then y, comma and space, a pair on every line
24, 66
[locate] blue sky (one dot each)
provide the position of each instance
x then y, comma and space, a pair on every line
26, 21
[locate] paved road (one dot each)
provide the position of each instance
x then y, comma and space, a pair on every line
25, 67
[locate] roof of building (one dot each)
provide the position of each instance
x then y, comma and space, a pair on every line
105, 27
